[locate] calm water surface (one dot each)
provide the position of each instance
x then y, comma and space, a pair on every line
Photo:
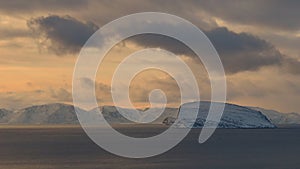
69, 147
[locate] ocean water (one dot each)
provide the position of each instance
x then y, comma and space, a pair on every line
69, 147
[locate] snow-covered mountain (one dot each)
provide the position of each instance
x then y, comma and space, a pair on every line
56, 113
234, 116
279, 118
112, 115
5, 115
168, 113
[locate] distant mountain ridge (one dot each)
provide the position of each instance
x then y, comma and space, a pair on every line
58, 113
279, 118
5, 115
112, 115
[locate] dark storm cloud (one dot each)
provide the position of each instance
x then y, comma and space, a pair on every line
161, 41
242, 51
238, 51
61, 34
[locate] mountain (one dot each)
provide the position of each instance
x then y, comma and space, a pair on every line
279, 118
5, 115
56, 113
112, 115
234, 116
168, 113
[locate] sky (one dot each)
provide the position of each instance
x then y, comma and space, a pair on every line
257, 41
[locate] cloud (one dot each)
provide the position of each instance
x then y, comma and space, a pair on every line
23, 7
290, 65
238, 51
147, 81
161, 41
61, 95
61, 34
20, 99
275, 14
102, 90
243, 51
17, 100
6, 33
86, 82
242, 87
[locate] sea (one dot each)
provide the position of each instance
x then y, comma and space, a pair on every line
68, 147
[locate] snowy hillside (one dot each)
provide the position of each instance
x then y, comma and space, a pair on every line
112, 115
279, 118
58, 113
169, 112
45, 114
5, 115
234, 116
